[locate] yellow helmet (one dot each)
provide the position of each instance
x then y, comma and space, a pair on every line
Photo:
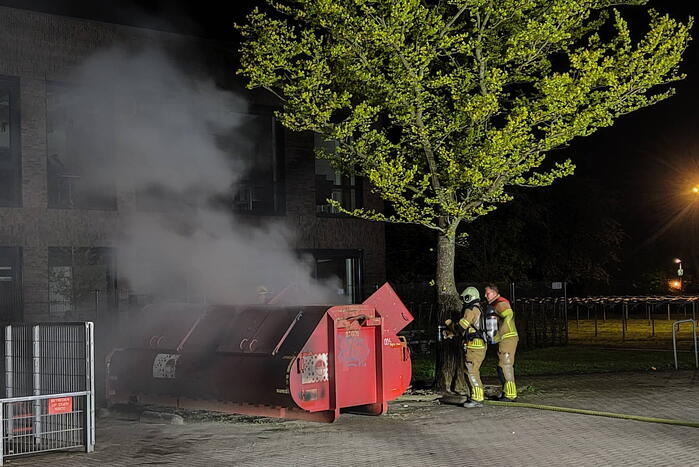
470, 294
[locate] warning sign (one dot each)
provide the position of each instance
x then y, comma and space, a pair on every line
60, 405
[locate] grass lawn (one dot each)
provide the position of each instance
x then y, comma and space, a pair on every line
641, 333
571, 359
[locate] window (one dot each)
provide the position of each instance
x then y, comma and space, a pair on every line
78, 140
10, 284
75, 274
261, 190
10, 159
345, 266
332, 184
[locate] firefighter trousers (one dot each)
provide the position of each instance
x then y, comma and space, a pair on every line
506, 362
475, 354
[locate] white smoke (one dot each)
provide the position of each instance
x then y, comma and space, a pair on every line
177, 147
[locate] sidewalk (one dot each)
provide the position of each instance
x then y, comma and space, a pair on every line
420, 432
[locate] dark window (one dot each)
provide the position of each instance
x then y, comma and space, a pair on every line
332, 184
10, 163
345, 266
261, 190
76, 275
79, 137
10, 284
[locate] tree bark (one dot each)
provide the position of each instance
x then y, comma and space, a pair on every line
450, 376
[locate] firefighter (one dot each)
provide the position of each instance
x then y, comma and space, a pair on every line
474, 344
507, 338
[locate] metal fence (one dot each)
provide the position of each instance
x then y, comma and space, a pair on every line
48, 388
631, 320
541, 322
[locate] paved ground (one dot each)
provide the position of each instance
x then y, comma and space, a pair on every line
420, 432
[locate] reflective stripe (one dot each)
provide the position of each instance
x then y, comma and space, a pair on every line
477, 394
476, 344
463, 322
508, 316
510, 390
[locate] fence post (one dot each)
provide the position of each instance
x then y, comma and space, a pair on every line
9, 378
90, 386
577, 315
565, 335
595, 323
652, 334
2, 437
36, 367
668, 312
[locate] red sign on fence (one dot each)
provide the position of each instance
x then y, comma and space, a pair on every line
60, 405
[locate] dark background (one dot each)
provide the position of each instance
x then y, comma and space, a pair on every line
615, 226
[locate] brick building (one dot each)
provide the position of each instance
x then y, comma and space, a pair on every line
52, 240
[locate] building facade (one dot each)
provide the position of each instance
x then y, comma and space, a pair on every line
55, 244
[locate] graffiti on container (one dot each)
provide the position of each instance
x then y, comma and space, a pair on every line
353, 351
164, 365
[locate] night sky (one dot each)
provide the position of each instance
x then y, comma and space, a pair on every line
649, 160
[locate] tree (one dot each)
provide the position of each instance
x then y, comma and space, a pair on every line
445, 105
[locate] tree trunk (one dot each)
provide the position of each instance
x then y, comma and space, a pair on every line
450, 376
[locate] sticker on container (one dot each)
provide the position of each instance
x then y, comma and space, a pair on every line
164, 365
315, 368
60, 405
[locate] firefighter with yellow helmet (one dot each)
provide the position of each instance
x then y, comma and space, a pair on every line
474, 344
503, 332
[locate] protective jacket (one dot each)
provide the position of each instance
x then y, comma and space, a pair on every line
506, 326
471, 323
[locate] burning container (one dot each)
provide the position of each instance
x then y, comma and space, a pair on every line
302, 362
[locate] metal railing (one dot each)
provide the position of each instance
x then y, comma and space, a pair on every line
676, 326
48, 388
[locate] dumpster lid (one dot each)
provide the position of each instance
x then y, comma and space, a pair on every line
395, 314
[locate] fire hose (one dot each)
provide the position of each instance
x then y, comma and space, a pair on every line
595, 412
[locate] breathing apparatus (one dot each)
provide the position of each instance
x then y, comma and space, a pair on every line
491, 324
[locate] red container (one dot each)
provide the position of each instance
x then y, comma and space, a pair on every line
303, 362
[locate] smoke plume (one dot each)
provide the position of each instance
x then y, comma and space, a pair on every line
175, 150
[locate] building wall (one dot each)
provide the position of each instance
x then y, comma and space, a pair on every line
38, 48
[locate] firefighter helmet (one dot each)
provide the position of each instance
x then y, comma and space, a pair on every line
470, 294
